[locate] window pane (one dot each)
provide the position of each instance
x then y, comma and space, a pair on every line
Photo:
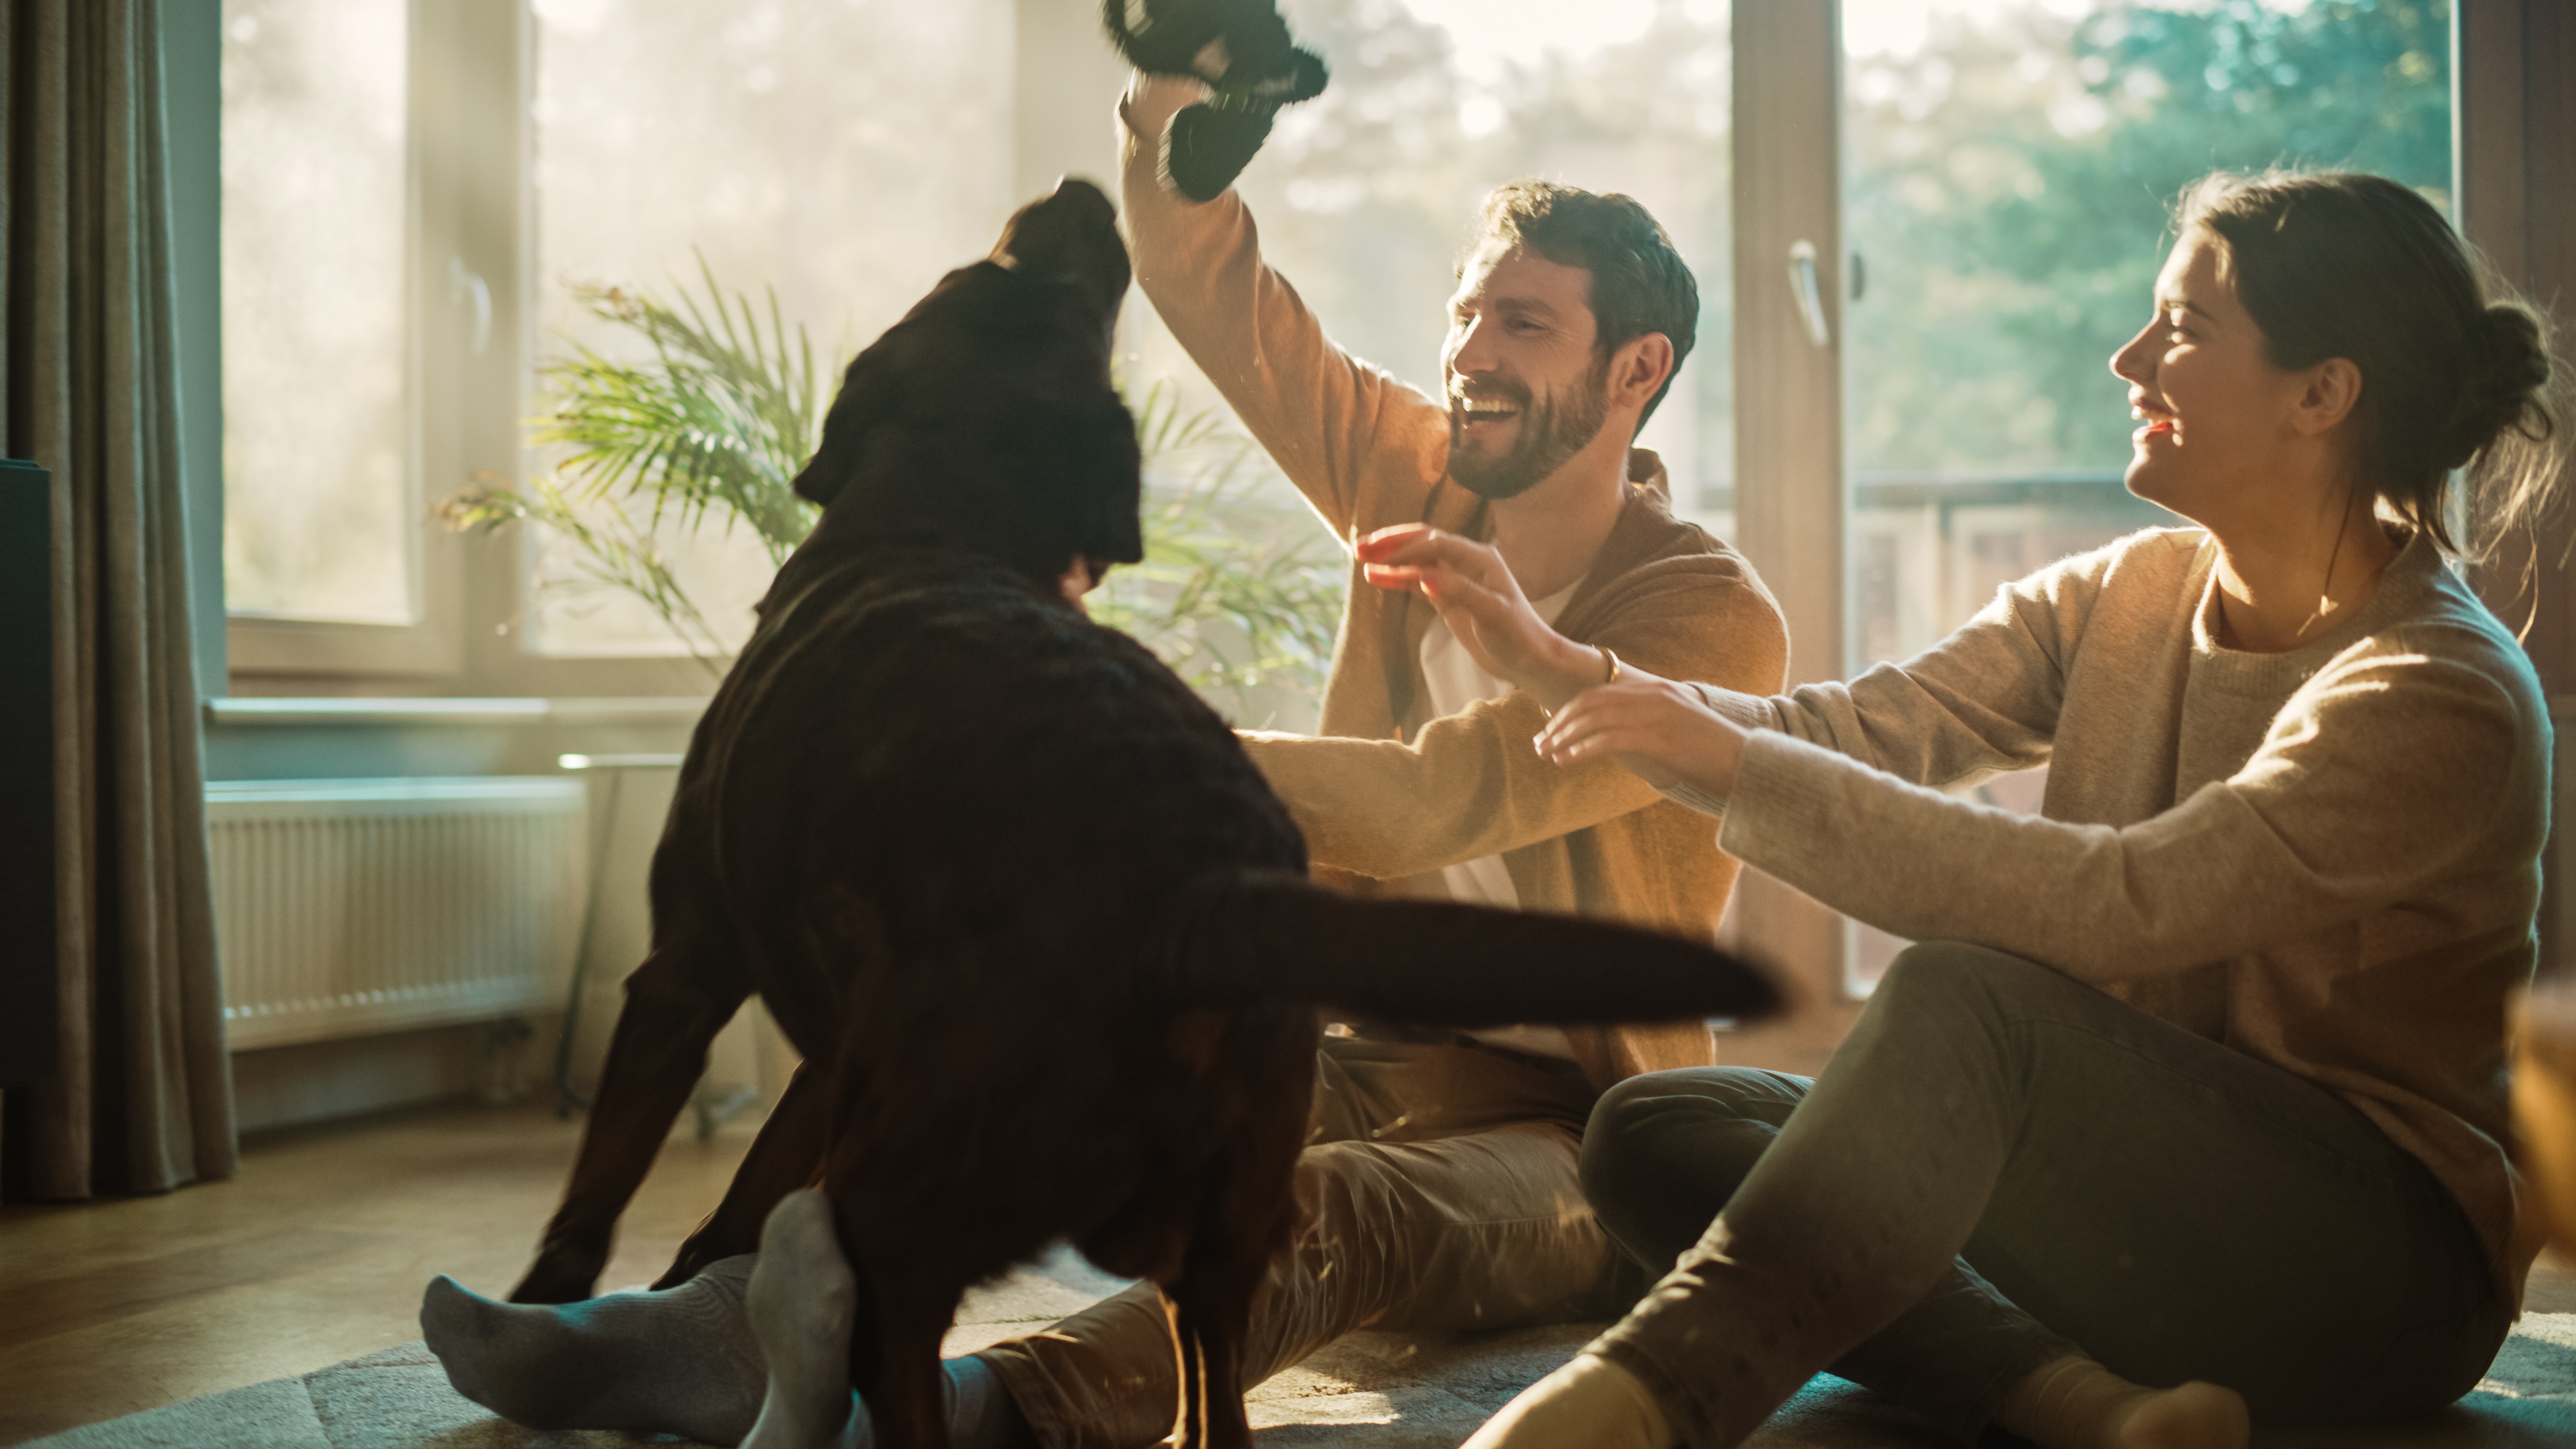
318, 507
844, 155
2012, 165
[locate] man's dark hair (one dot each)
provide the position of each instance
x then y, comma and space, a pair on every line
1640, 283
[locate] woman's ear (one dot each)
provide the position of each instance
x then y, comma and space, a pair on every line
2332, 391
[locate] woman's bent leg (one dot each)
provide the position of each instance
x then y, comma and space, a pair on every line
2179, 1208
1665, 1152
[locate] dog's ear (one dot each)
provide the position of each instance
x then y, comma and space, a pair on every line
868, 395
877, 387
1110, 482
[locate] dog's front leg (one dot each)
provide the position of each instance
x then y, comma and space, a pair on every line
673, 1010
1210, 1305
784, 1157
906, 1302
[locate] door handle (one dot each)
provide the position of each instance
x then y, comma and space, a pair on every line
1802, 288
464, 286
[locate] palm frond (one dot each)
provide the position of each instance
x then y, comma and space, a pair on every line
611, 552
717, 422
720, 406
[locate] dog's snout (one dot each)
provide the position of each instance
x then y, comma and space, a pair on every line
1072, 230
1085, 201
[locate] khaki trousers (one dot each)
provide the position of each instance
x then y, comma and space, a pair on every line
1443, 1192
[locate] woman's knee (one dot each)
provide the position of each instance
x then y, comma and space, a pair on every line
1932, 977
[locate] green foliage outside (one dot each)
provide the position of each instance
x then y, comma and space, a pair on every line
2012, 184
714, 418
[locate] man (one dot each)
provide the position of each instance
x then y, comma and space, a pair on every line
1442, 1190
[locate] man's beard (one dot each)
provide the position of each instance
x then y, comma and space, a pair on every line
1550, 433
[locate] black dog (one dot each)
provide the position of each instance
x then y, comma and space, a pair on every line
1039, 927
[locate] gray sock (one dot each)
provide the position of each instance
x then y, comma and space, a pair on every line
682, 1361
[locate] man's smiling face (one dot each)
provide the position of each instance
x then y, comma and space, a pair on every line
1527, 388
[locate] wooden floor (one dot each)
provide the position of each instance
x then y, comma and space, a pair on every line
316, 1252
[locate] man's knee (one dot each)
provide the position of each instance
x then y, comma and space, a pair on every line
1703, 1124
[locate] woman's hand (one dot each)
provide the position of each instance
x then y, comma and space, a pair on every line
1658, 730
1483, 606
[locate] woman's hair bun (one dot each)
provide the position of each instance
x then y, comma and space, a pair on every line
2504, 387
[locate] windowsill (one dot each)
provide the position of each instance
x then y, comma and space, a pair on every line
309, 711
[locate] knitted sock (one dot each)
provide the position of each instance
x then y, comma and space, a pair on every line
801, 1300
1591, 1403
677, 1362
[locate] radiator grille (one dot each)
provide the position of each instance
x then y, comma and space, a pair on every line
348, 907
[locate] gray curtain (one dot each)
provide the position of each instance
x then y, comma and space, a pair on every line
89, 389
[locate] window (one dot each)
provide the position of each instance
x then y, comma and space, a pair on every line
369, 321
837, 157
319, 464
666, 133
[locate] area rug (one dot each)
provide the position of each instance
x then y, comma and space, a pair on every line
1369, 1391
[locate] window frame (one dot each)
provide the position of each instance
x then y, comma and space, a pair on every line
284, 645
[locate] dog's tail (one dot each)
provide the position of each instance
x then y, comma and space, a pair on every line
1281, 936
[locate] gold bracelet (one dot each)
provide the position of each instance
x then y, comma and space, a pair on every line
1614, 663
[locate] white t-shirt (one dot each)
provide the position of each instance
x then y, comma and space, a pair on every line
1457, 681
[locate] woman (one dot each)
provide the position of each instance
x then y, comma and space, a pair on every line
2197, 1084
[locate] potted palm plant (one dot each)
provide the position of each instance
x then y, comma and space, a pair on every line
722, 403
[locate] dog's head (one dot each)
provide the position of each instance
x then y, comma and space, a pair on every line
985, 420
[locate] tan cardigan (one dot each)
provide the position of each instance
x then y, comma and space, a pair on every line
1387, 794
2328, 859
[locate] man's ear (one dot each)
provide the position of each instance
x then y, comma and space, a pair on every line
1639, 368
2332, 391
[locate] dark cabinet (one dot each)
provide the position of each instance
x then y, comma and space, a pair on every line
27, 865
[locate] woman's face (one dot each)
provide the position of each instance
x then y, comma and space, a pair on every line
2216, 417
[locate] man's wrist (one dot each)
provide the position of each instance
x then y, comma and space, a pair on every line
1152, 100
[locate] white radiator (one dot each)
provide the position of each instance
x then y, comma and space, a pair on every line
348, 907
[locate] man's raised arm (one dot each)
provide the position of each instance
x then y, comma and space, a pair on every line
1364, 448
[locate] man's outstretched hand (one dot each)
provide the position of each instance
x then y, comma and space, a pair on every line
1482, 604
1656, 729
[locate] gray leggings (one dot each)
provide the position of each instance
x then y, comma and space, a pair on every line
2176, 1207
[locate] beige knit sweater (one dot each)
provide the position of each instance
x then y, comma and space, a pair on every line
2328, 858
